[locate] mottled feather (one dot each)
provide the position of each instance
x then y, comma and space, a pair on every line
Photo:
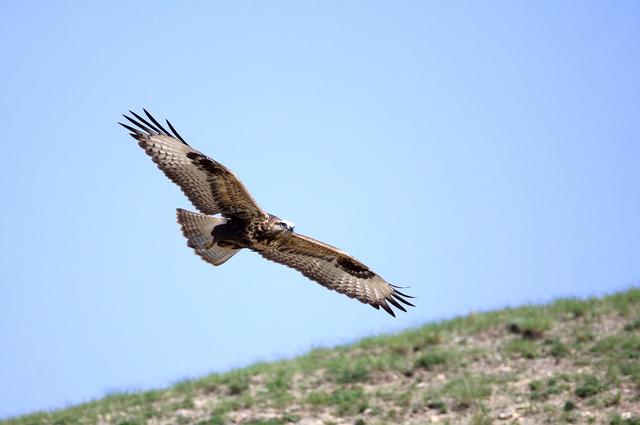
334, 269
210, 186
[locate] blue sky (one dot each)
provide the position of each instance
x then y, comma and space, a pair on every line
484, 153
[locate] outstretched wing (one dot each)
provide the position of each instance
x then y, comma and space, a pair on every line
210, 186
336, 270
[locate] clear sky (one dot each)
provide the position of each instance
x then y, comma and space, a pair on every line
484, 153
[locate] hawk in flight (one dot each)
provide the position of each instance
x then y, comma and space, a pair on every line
231, 220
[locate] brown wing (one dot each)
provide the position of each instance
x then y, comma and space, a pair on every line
210, 186
336, 270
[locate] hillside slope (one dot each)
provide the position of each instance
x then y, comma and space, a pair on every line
573, 361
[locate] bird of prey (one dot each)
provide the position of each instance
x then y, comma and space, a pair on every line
231, 219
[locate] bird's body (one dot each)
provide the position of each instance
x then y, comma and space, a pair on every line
231, 220
256, 235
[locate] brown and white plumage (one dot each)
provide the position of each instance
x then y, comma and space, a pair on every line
210, 186
336, 270
214, 189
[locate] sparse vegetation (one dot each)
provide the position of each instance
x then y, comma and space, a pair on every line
573, 361
524, 348
628, 420
466, 390
542, 390
589, 387
557, 348
432, 358
530, 326
344, 400
633, 325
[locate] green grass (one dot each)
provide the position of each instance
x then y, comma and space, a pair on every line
589, 387
236, 382
278, 388
557, 348
453, 369
438, 405
434, 357
542, 390
215, 419
518, 347
531, 325
345, 400
465, 391
618, 420
623, 346
633, 325
624, 302
344, 370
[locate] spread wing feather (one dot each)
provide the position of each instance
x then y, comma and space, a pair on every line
210, 186
336, 270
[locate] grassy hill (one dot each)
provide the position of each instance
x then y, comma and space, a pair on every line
573, 361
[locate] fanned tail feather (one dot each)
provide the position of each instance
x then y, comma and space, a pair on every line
198, 228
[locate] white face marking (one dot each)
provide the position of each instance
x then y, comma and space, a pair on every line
289, 224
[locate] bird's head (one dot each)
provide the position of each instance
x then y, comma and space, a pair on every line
286, 225
279, 225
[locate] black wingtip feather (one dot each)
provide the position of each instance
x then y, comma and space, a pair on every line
155, 122
152, 128
399, 298
396, 304
155, 129
386, 308
140, 125
175, 132
403, 294
131, 129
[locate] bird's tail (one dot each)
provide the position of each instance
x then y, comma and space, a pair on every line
198, 228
